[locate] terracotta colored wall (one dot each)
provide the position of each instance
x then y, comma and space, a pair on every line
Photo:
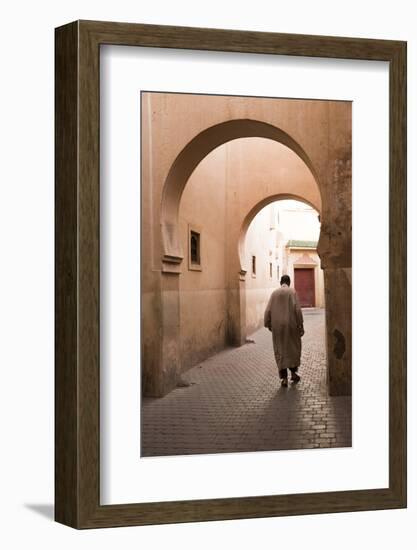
260, 241
256, 170
203, 294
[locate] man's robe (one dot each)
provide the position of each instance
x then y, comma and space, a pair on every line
284, 317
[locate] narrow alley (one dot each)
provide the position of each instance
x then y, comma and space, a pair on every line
234, 403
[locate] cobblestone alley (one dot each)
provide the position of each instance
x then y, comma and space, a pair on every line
235, 403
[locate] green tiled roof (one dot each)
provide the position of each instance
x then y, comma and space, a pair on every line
302, 244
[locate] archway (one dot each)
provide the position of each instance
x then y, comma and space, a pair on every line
189, 158
279, 237
286, 176
172, 254
210, 315
261, 205
180, 130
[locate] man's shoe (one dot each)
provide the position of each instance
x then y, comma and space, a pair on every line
284, 383
295, 378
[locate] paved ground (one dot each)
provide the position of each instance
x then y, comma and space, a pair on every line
235, 403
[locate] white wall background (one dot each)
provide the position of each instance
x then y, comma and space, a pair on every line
26, 271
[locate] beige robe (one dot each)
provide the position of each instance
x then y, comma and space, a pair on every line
284, 317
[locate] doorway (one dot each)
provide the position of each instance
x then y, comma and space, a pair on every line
305, 286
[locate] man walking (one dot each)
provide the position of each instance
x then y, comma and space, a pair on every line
283, 316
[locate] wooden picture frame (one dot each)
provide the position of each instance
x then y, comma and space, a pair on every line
77, 382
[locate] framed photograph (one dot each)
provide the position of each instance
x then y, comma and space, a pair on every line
230, 274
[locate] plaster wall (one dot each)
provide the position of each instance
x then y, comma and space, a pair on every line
299, 221
261, 242
203, 292
181, 133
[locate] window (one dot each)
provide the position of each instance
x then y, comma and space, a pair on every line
270, 270
253, 266
194, 249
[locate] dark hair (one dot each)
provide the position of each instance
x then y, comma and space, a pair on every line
285, 280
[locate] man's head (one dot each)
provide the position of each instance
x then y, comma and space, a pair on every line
285, 280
